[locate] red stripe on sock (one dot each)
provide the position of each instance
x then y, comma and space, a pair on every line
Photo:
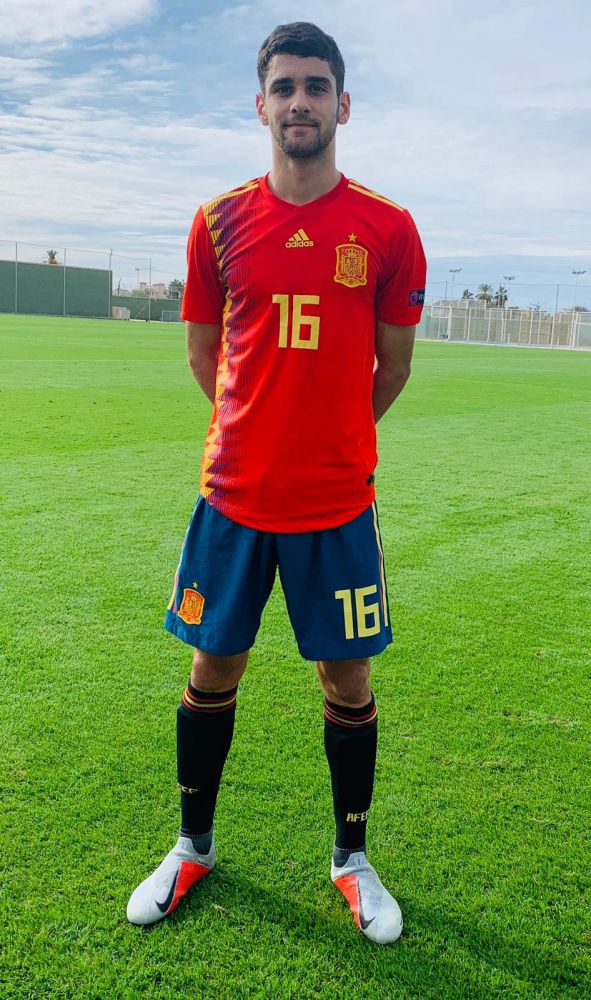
208, 704
340, 716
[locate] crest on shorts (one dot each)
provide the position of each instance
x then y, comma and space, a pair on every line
191, 608
351, 265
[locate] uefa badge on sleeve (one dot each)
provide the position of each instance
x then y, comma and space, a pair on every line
416, 297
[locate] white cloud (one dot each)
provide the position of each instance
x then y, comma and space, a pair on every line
475, 117
118, 172
449, 53
23, 74
48, 22
145, 63
113, 174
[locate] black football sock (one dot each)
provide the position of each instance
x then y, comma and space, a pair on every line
350, 741
205, 724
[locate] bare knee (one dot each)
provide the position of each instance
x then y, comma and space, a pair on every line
217, 673
346, 682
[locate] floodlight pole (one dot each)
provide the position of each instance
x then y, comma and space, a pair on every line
64, 307
577, 275
110, 283
150, 290
453, 271
16, 277
554, 317
507, 277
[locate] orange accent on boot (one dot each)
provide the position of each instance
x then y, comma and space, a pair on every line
189, 873
349, 887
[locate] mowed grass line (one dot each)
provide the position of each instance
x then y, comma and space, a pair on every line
480, 822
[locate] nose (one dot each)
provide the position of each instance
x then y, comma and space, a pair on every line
300, 103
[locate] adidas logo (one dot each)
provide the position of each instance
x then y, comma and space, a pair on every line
300, 239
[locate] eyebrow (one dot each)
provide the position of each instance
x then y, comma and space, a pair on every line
281, 82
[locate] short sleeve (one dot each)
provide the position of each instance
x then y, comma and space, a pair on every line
203, 301
401, 292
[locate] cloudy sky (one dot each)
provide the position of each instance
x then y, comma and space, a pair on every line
117, 119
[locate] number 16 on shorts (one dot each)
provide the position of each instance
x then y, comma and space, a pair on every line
361, 615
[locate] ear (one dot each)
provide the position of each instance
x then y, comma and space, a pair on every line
344, 108
261, 112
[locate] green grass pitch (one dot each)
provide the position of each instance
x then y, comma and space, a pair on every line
480, 823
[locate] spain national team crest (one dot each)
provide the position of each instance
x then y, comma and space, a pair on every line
191, 608
351, 265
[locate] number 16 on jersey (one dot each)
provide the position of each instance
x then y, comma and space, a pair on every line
299, 321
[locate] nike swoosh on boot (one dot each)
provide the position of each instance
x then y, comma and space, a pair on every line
164, 906
364, 923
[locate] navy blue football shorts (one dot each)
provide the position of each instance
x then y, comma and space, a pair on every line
334, 583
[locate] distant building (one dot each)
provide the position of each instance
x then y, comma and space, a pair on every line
156, 291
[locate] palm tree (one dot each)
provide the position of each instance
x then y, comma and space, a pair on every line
176, 288
51, 257
501, 296
484, 293
467, 294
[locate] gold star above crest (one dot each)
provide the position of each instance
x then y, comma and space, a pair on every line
352, 237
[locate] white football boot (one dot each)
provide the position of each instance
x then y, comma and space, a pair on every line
158, 895
376, 912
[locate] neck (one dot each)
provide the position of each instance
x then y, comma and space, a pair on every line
301, 181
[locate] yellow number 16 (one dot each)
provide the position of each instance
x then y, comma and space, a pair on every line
368, 615
298, 321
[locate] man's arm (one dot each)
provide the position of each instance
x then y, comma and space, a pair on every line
394, 346
203, 348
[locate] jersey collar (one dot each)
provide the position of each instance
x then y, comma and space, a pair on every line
336, 192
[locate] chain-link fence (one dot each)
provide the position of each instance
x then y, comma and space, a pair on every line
69, 282
479, 324
557, 315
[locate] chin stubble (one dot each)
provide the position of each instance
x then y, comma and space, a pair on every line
297, 152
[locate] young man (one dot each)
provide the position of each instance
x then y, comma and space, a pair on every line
297, 283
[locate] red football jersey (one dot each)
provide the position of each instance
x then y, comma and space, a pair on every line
297, 290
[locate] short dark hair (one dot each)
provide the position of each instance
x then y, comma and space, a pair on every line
301, 39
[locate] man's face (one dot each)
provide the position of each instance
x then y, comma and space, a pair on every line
300, 105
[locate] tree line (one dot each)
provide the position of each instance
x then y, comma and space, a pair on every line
176, 287
486, 294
